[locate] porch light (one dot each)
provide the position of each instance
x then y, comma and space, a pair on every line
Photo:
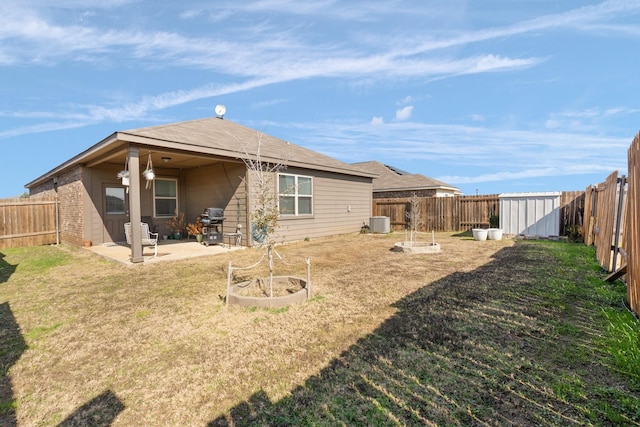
124, 173
148, 173
124, 176
166, 159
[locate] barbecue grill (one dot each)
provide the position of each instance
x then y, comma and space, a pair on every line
212, 225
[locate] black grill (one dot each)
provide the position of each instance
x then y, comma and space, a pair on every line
212, 225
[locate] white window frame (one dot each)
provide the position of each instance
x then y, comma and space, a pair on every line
155, 213
295, 194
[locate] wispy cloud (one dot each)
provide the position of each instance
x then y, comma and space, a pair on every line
36, 39
517, 154
268, 103
92, 114
327, 9
526, 174
284, 56
42, 127
587, 119
30, 36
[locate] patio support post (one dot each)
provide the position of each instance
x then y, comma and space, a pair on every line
134, 204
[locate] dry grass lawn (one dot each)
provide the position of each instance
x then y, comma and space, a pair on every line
102, 343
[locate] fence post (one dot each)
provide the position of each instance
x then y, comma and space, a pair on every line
622, 181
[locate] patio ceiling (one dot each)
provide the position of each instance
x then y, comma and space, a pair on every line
161, 158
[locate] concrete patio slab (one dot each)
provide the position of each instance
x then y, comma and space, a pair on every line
168, 250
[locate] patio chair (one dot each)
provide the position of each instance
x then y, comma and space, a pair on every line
152, 227
148, 238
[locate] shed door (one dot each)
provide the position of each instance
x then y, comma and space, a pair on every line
115, 212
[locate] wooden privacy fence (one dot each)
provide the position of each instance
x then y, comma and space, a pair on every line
476, 211
612, 214
27, 222
572, 205
440, 213
461, 213
632, 229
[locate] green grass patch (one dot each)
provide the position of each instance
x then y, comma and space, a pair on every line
569, 387
622, 342
29, 266
40, 331
8, 407
317, 298
143, 314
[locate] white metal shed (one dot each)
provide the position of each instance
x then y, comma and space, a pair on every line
531, 214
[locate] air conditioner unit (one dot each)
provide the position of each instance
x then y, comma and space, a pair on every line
380, 224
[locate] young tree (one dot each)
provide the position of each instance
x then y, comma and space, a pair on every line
264, 202
414, 218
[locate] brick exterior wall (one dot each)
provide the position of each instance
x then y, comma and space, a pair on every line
70, 208
403, 194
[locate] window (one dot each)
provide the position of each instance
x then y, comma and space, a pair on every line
115, 200
165, 197
295, 194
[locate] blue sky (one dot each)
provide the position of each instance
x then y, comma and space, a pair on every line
491, 96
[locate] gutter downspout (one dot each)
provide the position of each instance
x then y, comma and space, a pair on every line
55, 188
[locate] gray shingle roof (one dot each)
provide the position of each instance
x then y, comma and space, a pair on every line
210, 136
226, 138
393, 179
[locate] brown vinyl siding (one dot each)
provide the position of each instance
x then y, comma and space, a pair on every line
219, 186
332, 194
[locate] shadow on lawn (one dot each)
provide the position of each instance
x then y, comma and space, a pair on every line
100, 411
6, 269
12, 345
465, 233
470, 349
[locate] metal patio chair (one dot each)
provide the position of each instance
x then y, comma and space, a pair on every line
148, 238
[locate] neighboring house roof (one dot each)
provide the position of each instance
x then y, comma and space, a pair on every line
394, 179
215, 137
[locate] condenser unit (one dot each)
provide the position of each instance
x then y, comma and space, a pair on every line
380, 224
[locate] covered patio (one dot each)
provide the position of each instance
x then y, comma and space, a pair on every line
168, 250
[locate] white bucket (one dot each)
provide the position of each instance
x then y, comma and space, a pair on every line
480, 233
494, 234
